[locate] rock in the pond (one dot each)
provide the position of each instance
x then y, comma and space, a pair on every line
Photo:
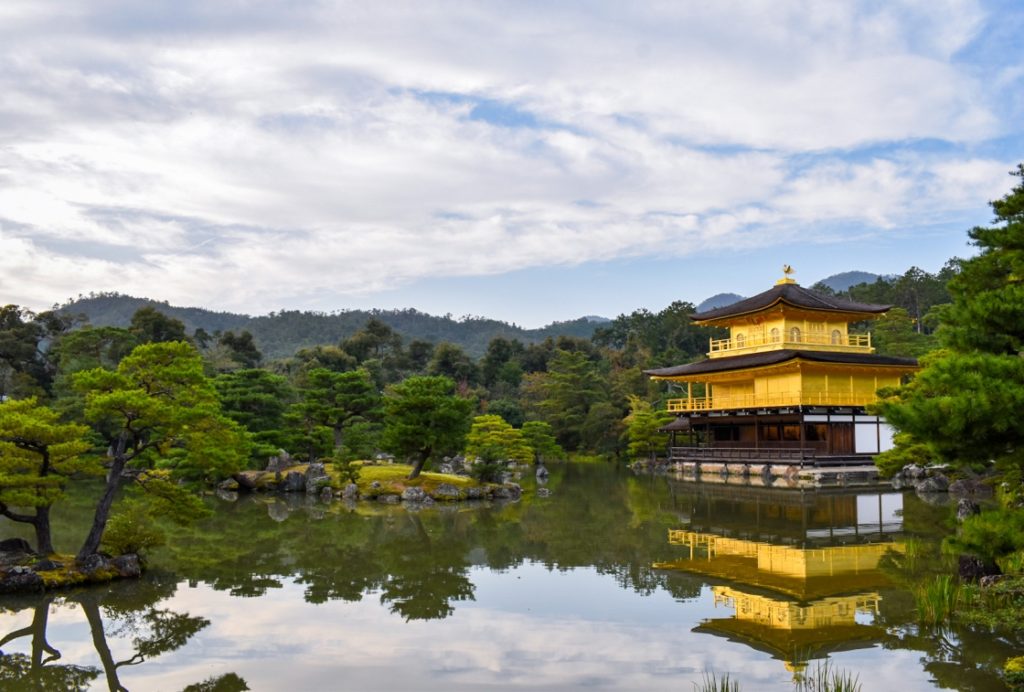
933, 484
228, 484
970, 487
966, 508
278, 511
16, 546
326, 494
20, 580
475, 492
280, 462
542, 472
389, 499
913, 472
246, 480
294, 482
316, 478
508, 491
413, 494
44, 565
226, 495
93, 563
351, 491
127, 565
446, 491
972, 568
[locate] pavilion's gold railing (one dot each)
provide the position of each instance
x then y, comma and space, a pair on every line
721, 403
858, 342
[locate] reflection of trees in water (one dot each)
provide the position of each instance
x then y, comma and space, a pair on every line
419, 561
125, 610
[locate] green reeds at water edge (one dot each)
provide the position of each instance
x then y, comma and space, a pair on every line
937, 599
822, 678
712, 683
826, 678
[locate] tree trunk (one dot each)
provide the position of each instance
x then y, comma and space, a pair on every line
417, 466
99, 520
44, 539
99, 641
337, 438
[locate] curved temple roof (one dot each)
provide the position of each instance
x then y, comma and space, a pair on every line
791, 294
755, 360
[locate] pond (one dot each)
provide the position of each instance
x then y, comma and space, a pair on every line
615, 581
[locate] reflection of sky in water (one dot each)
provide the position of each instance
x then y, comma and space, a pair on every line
529, 628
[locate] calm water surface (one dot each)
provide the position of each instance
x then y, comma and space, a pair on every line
614, 582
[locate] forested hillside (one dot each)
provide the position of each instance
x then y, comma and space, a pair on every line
282, 334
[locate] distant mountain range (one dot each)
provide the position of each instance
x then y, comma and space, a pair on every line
837, 282
281, 334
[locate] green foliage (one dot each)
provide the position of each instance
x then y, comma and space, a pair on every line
564, 396
664, 338
132, 530
989, 535
149, 325
1013, 673
26, 367
895, 334
38, 453
968, 408
825, 678
541, 439
967, 404
642, 425
905, 451
492, 439
158, 411
710, 682
424, 418
241, 348
257, 400
229, 682
334, 401
937, 599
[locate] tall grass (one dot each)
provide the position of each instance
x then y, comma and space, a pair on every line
937, 599
824, 678
712, 683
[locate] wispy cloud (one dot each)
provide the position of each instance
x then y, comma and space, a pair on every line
241, 159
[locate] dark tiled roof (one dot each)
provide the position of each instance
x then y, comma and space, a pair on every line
791, 294
755, 360
680, 423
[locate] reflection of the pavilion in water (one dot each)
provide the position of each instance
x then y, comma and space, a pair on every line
797, 567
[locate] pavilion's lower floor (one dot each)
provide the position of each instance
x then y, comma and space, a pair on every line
781, 434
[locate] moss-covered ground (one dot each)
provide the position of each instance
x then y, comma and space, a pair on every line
393, 479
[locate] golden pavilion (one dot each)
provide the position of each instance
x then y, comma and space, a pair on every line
791, 381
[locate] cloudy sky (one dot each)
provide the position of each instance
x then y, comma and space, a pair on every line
529, 161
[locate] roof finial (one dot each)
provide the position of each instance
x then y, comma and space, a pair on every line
787, 279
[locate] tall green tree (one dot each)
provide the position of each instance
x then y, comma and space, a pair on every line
335, 400
541, 439
149, 325
491, 437
163, 426
423, 418
257, 400
26, 366
642, 428
38, 453
566, 393
967, 404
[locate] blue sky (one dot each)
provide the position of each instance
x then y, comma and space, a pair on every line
529, 161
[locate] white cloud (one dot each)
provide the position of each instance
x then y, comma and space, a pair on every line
244, 160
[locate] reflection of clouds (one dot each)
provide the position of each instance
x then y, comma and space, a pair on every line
280, 642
